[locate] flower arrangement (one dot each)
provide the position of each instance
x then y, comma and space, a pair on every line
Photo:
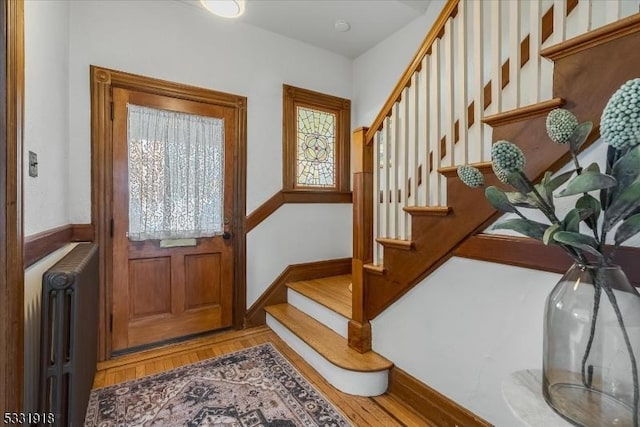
607, 203
618, 202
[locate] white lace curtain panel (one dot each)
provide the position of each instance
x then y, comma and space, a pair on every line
176, 174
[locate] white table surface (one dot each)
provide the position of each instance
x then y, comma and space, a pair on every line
522, 391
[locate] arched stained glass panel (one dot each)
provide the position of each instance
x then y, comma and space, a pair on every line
316, 148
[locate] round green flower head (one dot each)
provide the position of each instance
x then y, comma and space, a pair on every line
560, 125
620, 121
500, 174
471, 176
507, 156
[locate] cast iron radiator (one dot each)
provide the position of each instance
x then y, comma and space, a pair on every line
69, 335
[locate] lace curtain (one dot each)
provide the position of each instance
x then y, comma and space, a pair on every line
176, 174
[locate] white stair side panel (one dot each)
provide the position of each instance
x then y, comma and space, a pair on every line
351, 382
332, 320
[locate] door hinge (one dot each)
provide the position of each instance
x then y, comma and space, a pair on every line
111, 227
111, 322
111, 107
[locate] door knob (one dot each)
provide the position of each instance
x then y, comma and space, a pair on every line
226, 235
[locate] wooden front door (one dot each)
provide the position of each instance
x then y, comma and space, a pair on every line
161, 293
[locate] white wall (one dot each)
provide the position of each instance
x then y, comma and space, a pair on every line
178, 42
278, 242
465, 328
376, 72
46, 126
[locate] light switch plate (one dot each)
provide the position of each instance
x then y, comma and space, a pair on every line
33, 164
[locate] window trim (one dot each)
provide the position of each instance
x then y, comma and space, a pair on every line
341, 107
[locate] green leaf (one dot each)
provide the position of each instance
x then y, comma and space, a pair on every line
588, 181
590, 203
521, 200
520, 182
523, 226
629, 228
579, 241
571, 221
545, 193
579, 136
499, 200
622, 206
627, 169
547, 238
593, 167
556, 182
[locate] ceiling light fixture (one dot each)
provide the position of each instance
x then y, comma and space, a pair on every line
341, 26
224, 8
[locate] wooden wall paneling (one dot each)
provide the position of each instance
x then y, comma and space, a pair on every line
530, 253
82, 233
263, 211
39, 245
276, 293
11, 215
359, 331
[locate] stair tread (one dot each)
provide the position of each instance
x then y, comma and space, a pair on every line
331, 292
330, 345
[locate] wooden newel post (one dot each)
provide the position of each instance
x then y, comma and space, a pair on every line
359, 326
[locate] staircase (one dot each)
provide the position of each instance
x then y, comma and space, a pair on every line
480, 76
314, 322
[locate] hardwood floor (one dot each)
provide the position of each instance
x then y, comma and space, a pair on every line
361, 411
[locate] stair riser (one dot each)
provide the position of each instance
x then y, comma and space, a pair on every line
366, 384
339, 324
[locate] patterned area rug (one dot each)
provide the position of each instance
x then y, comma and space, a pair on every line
252, 387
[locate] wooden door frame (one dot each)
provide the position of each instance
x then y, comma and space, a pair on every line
103, 80
11, 214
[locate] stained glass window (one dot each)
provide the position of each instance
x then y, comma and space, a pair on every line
316, 144
316, 151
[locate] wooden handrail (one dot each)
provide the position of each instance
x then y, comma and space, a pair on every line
436, 32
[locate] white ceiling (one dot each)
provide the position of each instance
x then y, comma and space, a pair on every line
312, 21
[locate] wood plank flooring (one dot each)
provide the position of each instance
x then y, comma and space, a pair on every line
361, 411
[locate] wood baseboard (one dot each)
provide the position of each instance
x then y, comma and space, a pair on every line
430, 404
39, 245
276, 293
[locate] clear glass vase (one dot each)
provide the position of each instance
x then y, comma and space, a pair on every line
591, 339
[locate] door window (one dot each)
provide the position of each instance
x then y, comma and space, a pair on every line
176, 175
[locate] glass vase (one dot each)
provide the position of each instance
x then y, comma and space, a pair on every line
591, 339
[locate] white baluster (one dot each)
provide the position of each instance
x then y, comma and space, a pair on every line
449, 94
414, 139
434, 158
559, 20
426, 136
514, 51
461, 92
612, 11
403, 163
496, 57
386, 175
378, 142
535, 41
478, 79
394, 166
